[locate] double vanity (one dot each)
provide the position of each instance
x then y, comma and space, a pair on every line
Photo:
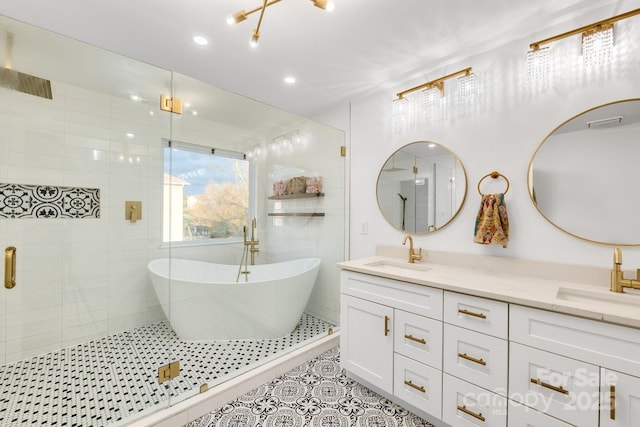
485, 341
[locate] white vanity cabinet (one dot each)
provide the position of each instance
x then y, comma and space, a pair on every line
391, 337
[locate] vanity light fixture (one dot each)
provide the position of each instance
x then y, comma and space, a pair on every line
242, 15
597, 44
432, 93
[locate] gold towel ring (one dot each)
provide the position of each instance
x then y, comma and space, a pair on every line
494, 175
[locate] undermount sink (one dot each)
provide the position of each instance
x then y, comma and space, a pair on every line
626, 299
397, 267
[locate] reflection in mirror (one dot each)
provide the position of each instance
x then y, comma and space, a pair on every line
583, 177
421, 187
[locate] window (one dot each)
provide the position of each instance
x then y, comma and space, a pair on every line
206, 193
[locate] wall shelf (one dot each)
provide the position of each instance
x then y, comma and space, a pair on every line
307, 214
296, 196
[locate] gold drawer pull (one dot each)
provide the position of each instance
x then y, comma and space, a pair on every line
386, 325
559, 389
472, 359
612, 403
473, 414
417, 387
471, 313
412, 338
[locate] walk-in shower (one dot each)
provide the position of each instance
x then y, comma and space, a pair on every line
91, 192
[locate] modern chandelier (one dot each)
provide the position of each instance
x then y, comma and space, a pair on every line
255, 36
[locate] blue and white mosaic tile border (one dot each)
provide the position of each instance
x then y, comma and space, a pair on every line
45, 201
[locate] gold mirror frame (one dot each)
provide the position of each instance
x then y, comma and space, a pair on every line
598, 113
458, 196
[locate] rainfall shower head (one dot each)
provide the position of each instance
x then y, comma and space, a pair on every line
22, 82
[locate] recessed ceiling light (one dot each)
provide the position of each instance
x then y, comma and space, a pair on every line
289, 80
135, 98
200, 40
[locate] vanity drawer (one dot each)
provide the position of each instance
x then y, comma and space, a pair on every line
418, 337
466, 405
565, 388
592, 341
523, 416
418, 384
410, 297
479, 314
476, 358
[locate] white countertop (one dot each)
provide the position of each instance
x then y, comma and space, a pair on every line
575, 298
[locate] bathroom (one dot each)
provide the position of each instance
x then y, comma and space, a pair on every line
499, 132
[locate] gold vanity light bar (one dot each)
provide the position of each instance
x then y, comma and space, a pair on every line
437, 83
596, 26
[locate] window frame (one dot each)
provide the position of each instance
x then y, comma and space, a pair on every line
214, 151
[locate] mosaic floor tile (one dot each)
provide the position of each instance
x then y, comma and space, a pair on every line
316, 393
102, 382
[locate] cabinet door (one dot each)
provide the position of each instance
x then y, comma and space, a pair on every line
366, 341
564, 388
620, 404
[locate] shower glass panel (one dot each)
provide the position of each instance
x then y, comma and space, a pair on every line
277, 146
77, 330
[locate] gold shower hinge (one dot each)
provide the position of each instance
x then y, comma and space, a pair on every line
171, 104
343, 151
168, 372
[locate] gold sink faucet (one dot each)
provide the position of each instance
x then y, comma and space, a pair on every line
413, 256
618, 282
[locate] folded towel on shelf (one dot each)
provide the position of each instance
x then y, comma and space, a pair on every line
492, 224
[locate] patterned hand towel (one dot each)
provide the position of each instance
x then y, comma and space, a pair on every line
492, 224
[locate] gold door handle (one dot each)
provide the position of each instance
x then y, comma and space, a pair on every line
471, 313
612, 402
473, 414
10, 267
412, 338
417, 387
541, 383
472, 359
386, 325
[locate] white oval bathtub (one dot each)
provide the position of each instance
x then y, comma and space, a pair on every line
203, 301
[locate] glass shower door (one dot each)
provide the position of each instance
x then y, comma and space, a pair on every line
81, 131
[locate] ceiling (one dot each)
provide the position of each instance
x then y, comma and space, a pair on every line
361, 47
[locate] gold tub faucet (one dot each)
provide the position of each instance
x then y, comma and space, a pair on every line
618, 282
413, 256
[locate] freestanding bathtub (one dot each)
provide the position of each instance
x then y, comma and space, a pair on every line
203, 301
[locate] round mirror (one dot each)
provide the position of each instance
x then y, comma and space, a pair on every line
421, 187
584, 179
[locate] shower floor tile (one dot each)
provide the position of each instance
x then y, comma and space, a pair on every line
105, 381
314, 394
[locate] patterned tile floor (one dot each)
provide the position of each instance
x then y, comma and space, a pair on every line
314, 394
102, 382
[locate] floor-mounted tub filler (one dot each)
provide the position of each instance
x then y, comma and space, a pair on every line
203, 301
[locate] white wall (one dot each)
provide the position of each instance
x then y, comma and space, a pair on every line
499, 132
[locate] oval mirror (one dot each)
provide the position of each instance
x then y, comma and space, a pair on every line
421, 187
583, 178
